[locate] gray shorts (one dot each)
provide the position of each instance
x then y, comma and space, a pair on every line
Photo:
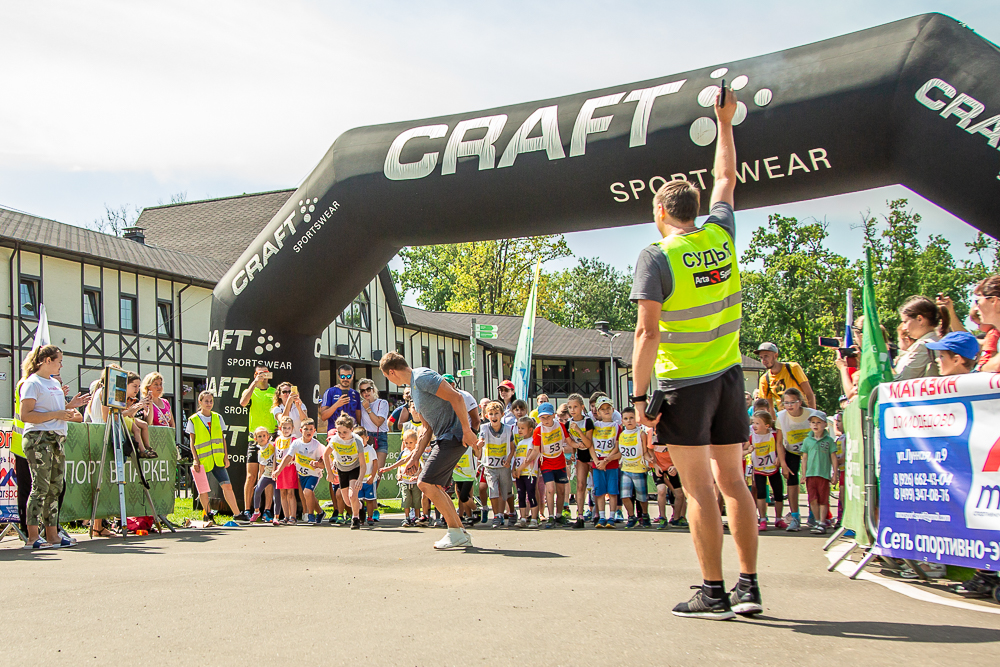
500, 483
441, 462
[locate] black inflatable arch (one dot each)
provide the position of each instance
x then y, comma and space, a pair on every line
915, 102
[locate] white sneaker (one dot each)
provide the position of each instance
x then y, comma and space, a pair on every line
522, 523
453, 541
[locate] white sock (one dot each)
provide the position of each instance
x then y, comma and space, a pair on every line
455, 531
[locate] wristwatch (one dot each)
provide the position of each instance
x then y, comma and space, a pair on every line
638, 399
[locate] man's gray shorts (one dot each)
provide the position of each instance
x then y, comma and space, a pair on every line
441, 463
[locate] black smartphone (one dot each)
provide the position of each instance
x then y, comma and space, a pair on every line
828, 342
848, 352
654, 404
722, 98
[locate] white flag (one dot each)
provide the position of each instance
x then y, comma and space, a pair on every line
521, 374
42, 332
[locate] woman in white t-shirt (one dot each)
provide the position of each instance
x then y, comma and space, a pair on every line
289, 404
45, 413
375, 419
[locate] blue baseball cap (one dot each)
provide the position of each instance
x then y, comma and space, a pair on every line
960, 342
546, 409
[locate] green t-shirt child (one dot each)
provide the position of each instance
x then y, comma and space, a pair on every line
817, 453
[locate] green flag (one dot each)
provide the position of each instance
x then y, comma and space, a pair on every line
875, 367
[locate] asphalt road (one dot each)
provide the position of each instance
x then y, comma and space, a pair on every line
297, 595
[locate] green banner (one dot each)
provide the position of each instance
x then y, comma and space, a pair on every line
854, 473
83, 457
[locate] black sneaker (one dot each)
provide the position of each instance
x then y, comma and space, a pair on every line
981, 585
579, 523
242, 516
702, 606
745, 602
355, 523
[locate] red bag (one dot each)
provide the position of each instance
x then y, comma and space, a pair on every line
135, 523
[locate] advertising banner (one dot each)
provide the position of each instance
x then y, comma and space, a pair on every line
8, 480
83, 457
854, 474
940, 470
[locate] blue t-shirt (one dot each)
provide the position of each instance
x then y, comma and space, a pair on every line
350, 408
437, 412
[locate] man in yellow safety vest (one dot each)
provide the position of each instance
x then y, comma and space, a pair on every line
687, 287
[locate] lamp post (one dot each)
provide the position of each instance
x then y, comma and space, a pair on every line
602, 327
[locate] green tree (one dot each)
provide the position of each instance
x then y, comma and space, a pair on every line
492, 277
593, 291
797, 296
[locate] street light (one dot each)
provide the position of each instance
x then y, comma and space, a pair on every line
604, 330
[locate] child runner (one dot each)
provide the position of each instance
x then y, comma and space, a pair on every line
518, 409
463, 478
307, 454
667, 481
793, 423
344, 452
287, 482
551, 439
265, 485
819, 458
367, 493
408, 489
497, 439
632, 446
525, 472
765, 457
605, 466
581, 433
841, 439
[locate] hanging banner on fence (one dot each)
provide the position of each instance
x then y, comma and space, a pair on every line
8, 480
854, 474
940, 470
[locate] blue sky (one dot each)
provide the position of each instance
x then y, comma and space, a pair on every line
128, 103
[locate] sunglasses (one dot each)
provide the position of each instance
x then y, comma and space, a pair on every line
286, 391
366, 390
346, 377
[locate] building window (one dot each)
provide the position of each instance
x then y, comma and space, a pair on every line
358, 314
401, 348
425, 357
442, 366
29, 298
128, 314
92, 309
164, 319
456, 360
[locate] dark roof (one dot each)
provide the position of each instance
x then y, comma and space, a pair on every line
551, 340
74, 242
234, 223
218, 228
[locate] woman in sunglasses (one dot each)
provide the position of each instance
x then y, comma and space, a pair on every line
287, 403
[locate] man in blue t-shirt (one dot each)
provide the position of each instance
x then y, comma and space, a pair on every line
341, 399
446, 417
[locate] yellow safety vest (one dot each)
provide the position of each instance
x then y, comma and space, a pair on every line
700, 321
209, 447
17, 432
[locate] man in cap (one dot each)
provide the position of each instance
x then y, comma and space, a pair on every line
782, 375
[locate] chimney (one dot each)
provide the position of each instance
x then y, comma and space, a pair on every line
134, 234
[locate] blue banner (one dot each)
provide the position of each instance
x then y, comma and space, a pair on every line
940, 470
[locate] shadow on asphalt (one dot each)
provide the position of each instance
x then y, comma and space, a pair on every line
513, 553
132, 545
894, 632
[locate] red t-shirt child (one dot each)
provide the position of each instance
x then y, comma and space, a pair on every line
550, 441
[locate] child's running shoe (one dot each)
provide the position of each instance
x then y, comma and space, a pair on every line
511, 520
422, 522
588, 515
521, 523
440, 524
762, 525
793, 525
355, 523
533, 523
702, 606
497, 522
818, 529
484, 516
781, 524
982, 584
611, 524
565, 512
579, 523
292, 521
370, 522
310, 518
375, 516
275, 522
680, 523
319, 517
254, 517
602, 523
550, 522
745, 602
268, 516
618, 516
595, 519
631, 523
563, 520
646, 523
662, 524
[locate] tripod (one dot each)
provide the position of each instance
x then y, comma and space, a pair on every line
114, 433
